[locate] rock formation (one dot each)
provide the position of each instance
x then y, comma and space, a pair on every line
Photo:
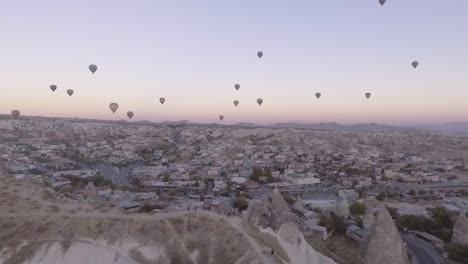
460, 230
342, 208
270, 211
300, 252
372, 207
385, 245
90, 191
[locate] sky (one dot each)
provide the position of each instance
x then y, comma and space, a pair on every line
193, 52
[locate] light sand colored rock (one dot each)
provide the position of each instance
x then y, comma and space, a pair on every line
460, 230
385, 245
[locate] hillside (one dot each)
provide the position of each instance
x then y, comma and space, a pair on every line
39, 226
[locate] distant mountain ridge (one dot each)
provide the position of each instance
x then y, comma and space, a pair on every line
460, 128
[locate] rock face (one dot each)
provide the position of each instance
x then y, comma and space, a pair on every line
90, 191
385, 245
460, 230
372, 207
161, 239
342, 208
350, 195
270, 211
299, 205
300, 251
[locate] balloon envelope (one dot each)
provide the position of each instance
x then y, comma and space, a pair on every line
92, 68
15, 113
113, 107
382, 2
368, 95
221, 117
260, 54
70, 92
237, 86
130, 114
53, 87
415, 64
259, 101
318, 95
162, 100
236, 103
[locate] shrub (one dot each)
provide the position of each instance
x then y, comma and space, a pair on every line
381, 196
241, 204
458, 252
357, 208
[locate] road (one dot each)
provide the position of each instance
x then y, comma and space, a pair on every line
453, 185
423, 251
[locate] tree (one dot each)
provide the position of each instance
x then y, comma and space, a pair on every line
422, 192
458, 252
289, 199
357, 208
334, 221
393, 212
381, 196
442, 217
412, 192
166, 178
338, 223
241, 203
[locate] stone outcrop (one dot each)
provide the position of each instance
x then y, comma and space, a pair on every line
270, 211
372, 207
384, 245
90, 191
460, 230
342, 208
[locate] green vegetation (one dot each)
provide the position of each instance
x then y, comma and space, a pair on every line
458, 252
258, 172
381, 196
241, 203
357, 208
146, 208
412, 192
289, 199
393, 212
334, 221
440, 225
96, 180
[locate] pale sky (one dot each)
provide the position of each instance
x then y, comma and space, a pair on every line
193, 52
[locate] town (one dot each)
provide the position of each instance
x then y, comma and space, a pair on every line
330, 179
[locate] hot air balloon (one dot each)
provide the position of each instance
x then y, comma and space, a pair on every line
259, 101
162, 100
368, 95
260, 54
92, 68
382, 2
53, 87
113, 107
130, 114
237, 86
236, 103
221, 117
318, 95
415, 64
15, 113
70, 92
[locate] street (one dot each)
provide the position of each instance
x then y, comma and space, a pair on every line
423, 251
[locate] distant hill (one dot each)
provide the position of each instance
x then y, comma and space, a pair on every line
451, 128
337, 126
460, 128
